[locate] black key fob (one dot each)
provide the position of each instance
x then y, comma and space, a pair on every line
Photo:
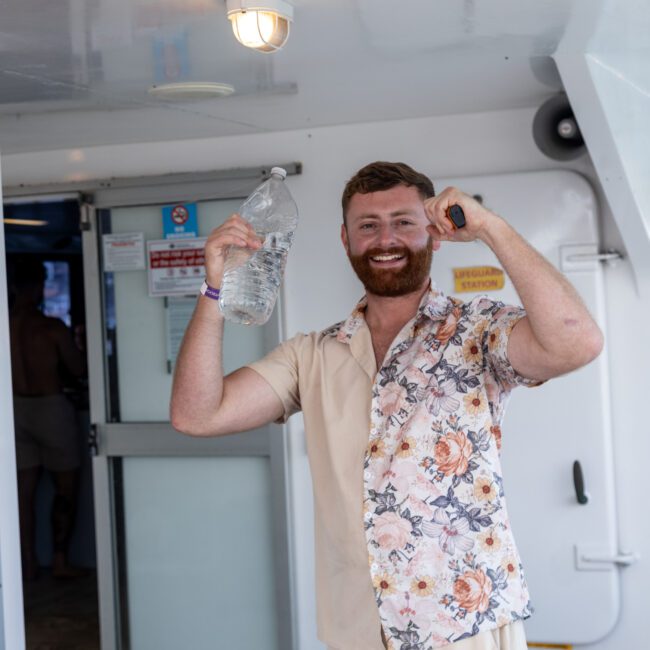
457, 216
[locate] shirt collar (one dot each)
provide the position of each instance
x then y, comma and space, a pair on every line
435, 306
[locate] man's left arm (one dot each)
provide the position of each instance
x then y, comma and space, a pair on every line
558, 334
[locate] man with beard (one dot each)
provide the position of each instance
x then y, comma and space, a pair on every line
402, 404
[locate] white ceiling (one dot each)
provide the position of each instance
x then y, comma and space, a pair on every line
76, 72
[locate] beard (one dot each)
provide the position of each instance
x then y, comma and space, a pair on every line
394, 282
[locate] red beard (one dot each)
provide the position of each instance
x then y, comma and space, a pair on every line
394, 282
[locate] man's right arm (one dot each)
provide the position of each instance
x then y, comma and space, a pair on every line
203, 402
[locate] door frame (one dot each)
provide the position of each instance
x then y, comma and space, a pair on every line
12, 623
12, 619
112, 441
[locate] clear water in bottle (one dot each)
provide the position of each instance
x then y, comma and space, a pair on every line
252, 278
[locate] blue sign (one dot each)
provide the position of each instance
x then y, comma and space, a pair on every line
179, 221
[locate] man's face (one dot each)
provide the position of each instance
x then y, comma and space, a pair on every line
387, 241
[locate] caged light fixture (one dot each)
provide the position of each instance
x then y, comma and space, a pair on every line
260, 24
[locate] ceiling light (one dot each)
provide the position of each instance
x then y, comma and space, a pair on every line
25, 222
260, 24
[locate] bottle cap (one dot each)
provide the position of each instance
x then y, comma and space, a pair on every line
279, 171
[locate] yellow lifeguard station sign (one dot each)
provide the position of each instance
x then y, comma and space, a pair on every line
470, 279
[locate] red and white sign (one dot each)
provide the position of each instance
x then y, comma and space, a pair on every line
180, 215
176, 267
123, 252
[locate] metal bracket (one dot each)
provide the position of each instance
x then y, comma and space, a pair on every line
582, 257
609, 256
84, 216
591, 557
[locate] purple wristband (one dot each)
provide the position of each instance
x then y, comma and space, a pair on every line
210, 292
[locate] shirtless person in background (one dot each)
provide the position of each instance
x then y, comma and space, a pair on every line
42, 348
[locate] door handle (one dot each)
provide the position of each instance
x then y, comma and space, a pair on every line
579, 484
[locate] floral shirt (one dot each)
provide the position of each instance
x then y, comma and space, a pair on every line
442, 558
411, 531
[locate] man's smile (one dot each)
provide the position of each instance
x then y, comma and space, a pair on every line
388, 259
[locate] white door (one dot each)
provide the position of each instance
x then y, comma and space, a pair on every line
565, 545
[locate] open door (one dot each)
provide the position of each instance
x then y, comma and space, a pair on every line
42, 246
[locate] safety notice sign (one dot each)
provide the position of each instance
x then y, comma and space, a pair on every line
123, 252
176, 267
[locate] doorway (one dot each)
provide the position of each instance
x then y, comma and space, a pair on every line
152, 488
55, 479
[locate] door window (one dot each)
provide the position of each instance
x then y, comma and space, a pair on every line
137, 324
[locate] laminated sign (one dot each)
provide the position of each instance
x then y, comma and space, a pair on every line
176, 267
179, 221
472, 279
123, 252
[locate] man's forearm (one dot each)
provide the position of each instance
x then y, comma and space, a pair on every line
198, 377
560, 322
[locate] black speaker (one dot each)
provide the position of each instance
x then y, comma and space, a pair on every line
556, 131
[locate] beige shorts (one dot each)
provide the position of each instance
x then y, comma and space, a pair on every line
46, 433
509, 637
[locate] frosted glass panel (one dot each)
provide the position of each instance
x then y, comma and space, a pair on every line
144, 380
199, 557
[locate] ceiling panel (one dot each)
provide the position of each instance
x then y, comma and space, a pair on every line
76, 72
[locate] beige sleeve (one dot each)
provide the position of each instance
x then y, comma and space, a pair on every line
280, 368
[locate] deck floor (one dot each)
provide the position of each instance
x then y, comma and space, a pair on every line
62, 614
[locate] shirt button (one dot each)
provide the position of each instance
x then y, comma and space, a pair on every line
367, 475
374, 567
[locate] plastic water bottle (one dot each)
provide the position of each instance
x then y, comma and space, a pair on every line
252, 278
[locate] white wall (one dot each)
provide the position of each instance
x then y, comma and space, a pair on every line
320, 286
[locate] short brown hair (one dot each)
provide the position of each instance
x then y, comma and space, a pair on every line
379, 176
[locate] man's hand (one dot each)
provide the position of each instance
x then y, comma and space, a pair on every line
443, 229
235, 231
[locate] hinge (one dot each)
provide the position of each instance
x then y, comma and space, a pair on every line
84, 217
583, 257
591, 557
93, 440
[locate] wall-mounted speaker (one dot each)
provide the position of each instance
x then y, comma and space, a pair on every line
556, 131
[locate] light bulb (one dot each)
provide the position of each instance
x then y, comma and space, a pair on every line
263, 26
254, 28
